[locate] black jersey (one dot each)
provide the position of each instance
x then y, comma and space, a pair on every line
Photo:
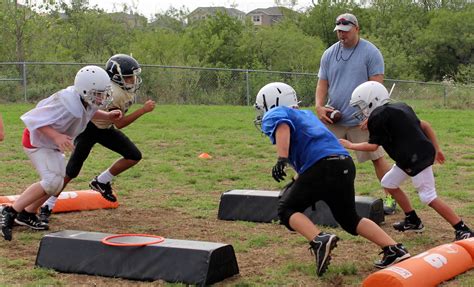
398, 130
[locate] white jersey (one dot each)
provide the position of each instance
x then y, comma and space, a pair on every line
122, 100
63, 111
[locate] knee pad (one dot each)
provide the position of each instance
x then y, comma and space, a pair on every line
427, 197
52, 183
386, 182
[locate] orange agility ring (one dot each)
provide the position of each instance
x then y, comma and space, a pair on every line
130, 239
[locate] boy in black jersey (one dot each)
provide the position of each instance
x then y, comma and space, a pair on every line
412, 144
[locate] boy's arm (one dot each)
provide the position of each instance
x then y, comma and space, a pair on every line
64, 142
112, 115
128, 119
429, 132
363, 146
282, 138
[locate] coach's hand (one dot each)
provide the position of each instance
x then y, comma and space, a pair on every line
278, 171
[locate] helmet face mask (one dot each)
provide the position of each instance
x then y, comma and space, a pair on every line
93, 85
100, 99
274, 95
367, 97
125, 71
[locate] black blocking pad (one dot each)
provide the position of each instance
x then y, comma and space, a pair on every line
189, 262
262, 206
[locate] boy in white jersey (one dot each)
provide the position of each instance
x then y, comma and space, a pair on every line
124, 71
50, 129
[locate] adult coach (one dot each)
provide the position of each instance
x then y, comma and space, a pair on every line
344, 66
124, 72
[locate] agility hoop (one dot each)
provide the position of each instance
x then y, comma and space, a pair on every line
129, 240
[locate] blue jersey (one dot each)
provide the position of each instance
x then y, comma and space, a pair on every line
310, 140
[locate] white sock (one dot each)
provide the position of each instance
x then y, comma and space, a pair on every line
105, 177
51, 202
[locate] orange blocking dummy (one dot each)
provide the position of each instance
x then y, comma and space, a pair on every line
73, 201
429, 268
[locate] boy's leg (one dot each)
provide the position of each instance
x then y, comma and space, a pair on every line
393, 252
118, 142
381, 166
391, 182
292, 203
321, 244
445, 211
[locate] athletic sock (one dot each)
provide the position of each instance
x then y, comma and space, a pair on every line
51, 202
461, 226
412, 217
105, 177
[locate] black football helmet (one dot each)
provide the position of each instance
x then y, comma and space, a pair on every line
120, 68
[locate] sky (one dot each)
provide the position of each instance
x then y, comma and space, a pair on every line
151, 7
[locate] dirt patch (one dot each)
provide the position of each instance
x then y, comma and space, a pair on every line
255, 262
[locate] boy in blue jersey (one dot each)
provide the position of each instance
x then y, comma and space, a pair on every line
325, 172
412, 144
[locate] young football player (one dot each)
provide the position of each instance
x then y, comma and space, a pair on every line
124, 71
50, 129
412, 144
325, 172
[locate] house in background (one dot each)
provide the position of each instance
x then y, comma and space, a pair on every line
202, 13
265, 16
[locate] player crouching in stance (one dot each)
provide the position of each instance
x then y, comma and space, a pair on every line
412, 144
50, 128
325, 172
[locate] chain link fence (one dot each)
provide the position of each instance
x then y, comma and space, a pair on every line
32, 81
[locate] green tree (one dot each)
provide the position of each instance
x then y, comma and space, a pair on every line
446, 44
215, 41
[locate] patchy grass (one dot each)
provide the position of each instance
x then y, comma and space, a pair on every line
175, 194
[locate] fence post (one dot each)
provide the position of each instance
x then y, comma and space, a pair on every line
247, 86
24, 81
445, 88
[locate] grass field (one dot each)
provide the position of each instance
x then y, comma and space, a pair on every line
175, 194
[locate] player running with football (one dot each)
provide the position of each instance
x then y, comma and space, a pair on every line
412, 144
325, 172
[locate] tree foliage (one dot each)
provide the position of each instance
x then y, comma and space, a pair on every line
428, 40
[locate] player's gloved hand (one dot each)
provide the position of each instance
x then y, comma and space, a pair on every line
278, 171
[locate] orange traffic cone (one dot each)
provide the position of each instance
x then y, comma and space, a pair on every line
205, 155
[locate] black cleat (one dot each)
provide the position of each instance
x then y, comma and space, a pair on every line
463, 234
407, 226
31, 220
321, 246
44, 214
104, 188
391, 255
7, 217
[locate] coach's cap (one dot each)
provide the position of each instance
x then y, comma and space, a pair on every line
345, 22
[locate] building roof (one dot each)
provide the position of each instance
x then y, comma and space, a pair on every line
271, 11
214, 10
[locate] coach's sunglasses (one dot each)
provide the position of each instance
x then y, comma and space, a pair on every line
345, 22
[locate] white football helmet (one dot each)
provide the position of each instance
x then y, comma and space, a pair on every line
274, 95
368, 96
94, 86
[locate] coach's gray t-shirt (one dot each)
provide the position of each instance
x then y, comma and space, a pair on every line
345, 69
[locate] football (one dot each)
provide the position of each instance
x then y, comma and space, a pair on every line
334, 115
